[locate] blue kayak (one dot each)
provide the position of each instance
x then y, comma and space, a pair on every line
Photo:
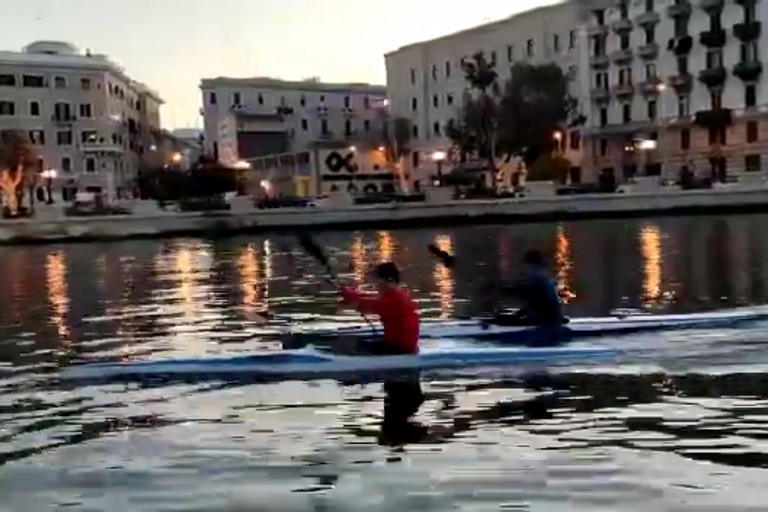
488, 329
310, 363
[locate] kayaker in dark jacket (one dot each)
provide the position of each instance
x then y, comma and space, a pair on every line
537, 292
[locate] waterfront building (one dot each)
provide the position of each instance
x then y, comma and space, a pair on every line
88, 120
426, 84
677, 83
247, 118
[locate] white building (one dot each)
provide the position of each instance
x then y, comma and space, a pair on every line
247, 118
87, 118
686, 74
426, 84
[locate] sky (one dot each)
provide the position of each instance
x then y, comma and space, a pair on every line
170, 45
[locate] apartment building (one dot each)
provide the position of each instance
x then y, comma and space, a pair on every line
87, 119
247, 118
426, 84
674, 83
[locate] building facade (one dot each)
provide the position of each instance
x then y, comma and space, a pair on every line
247, 118
87, 119
426, 84
674, 84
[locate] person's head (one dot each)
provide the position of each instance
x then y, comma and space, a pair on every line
387, 275
533, 258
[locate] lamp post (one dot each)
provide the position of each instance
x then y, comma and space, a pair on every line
439, 157
49, 175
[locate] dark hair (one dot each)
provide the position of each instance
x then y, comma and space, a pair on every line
388, 272
534, 257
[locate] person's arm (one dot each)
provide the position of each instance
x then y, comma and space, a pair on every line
365, 303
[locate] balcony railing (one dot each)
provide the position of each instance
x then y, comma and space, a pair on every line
648, 51
622, 56
747, 31
713, 77
749, 71
713, 38
681, 8
681, 45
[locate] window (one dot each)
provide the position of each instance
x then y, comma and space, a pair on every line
304, 125
650, 35
236, 98
34, 108
649, 5
603, 147
322, 98
7, 80
85, 84
282, 101
366, 102
7, 108
413, 76
716, 99
529, 48
601, 80
324, 126
572, 40
434, 72
681, 26
66, 164
449, 98
714, 59
750, 95
347, 102
37, 137
62, 111
212, 98
493, 56
414, 104
624, 41
347, 127
415, 131
303, 100
599, 16
435, 101
625, 76
575, 140
89, 137
32, 81
715, 23
603, 116
752, 163
626, 112
260, 99
650, 71
415, 158
447, 69
510, 53
652, 110
683, 105
556, 43
59, 82
86, 110
685, 139
598, 46
749, 52
436, 128
90, 165
64, 138
624, 9
682, 65
367, 125
752, 128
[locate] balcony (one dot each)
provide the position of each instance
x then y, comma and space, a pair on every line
681, 45
680, 9
648, 51
714, 118
101, 148
600, 61
622, 25
746, 3
648, 19
747, 31
600, 94
713, 77
256, 112
713, 38
749, 71
712, 5
63, 118
682, 82
622, 56
652, 87
624, 90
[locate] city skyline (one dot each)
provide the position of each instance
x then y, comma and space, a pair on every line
173, 44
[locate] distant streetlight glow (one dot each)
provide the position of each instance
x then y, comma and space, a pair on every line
352, 149
558, 136
646, 144
176, 157
241, 164
438, 156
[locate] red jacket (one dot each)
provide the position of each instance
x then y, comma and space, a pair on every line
397, 312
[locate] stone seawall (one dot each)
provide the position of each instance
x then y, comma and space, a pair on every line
389, 216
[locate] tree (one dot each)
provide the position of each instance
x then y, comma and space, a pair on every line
18, 161
519, 122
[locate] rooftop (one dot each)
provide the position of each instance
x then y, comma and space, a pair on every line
309, 85
59, 54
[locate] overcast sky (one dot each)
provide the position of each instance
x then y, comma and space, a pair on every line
171, 44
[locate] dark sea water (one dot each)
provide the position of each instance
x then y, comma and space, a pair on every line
679, 424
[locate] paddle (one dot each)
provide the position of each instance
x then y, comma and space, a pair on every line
445, 258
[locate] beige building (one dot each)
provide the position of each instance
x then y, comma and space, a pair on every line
426, 84
89, 121
677, 82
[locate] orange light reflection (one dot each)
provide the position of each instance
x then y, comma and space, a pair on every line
58, 293
444, 278
563, 265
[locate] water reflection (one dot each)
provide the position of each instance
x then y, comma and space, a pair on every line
359, 259
386, 246
444, 278
58, 294
250, 279
563, 265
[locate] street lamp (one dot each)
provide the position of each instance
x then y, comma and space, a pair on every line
439, 157
49, 175
176, 157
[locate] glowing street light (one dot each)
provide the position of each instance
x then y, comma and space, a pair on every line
439, 157
176, 157
351, 149
241, 165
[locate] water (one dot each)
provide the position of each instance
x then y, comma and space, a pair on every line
680, 425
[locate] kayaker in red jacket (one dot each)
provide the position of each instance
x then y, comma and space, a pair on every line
395, 308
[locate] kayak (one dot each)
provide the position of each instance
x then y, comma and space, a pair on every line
491, 330
310, 363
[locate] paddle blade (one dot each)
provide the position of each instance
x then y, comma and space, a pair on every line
446, 259
314, 250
